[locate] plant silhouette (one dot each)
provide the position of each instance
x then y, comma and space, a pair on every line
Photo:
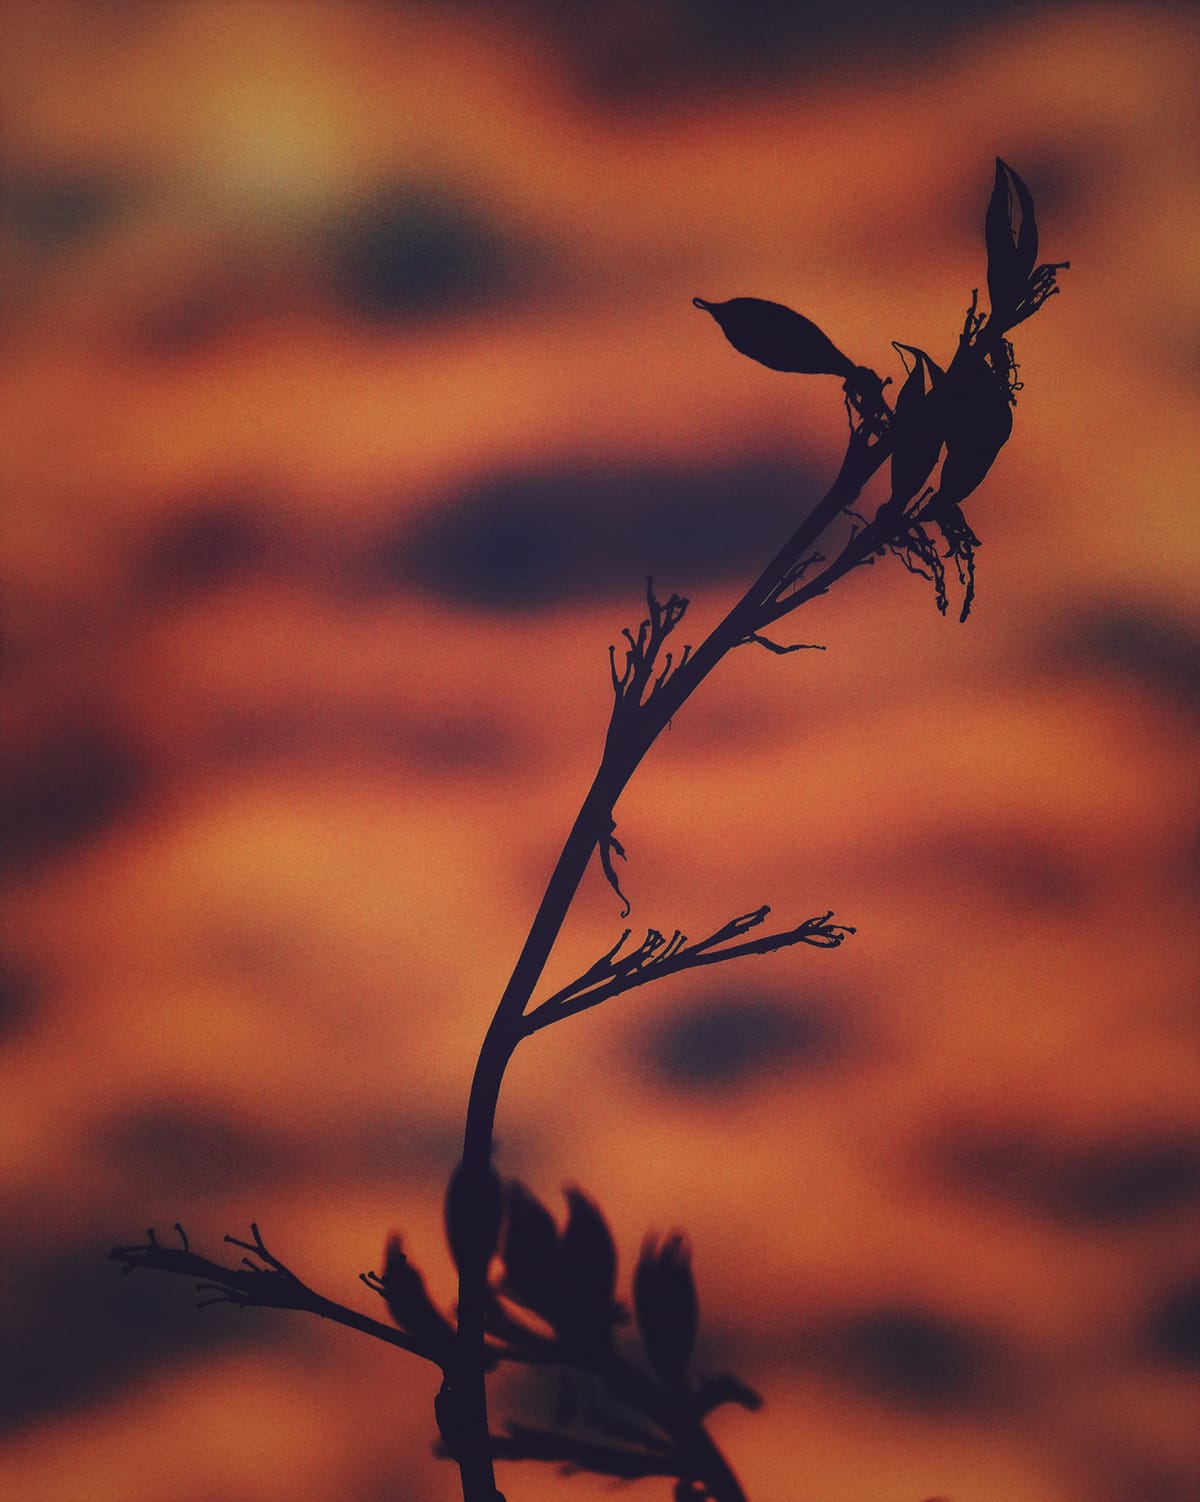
532, 1292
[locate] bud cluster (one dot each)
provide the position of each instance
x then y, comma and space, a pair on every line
959, 417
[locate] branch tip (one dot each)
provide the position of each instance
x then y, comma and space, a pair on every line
608, 847
800, 646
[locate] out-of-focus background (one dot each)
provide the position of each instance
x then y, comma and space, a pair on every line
350, 388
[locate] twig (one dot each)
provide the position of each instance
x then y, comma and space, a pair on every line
250, 1286
656, 958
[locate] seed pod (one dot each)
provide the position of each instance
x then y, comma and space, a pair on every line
978, 423
776, 337
667, 1309
1012, 247
919, 425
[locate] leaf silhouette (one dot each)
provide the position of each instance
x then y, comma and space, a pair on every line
919, 426
777, 337
667, 1309
1012, 244
978, 423
567, 1278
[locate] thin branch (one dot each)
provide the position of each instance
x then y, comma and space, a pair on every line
754, 639
250, 1286
642, 653
608, 965
649, 688
888, 529
657, 958
636, 721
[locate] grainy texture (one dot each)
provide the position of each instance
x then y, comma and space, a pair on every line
298, 293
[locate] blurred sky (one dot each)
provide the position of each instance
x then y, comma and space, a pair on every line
351, 387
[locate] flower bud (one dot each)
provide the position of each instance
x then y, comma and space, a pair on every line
776, 337
919, 425
667, 1309
1010, 234
589, 1271
408, 1300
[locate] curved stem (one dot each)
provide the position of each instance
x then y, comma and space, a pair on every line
468, 1378
633, 730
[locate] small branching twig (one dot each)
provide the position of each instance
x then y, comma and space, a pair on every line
657, 957
261, 1281
642, 653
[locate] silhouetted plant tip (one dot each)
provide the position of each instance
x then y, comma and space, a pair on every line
403, 1290
782, 339
641, 651
1017, 287
567, 1279
530, 1293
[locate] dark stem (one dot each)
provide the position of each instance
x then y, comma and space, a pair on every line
860, 462
632, 732
469, 1375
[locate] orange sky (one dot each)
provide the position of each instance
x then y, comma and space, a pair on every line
351, 387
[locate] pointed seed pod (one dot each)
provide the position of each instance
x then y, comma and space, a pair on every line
978, 423
919, 424
666, 1305
408, 1300
777, 337
1012, 244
